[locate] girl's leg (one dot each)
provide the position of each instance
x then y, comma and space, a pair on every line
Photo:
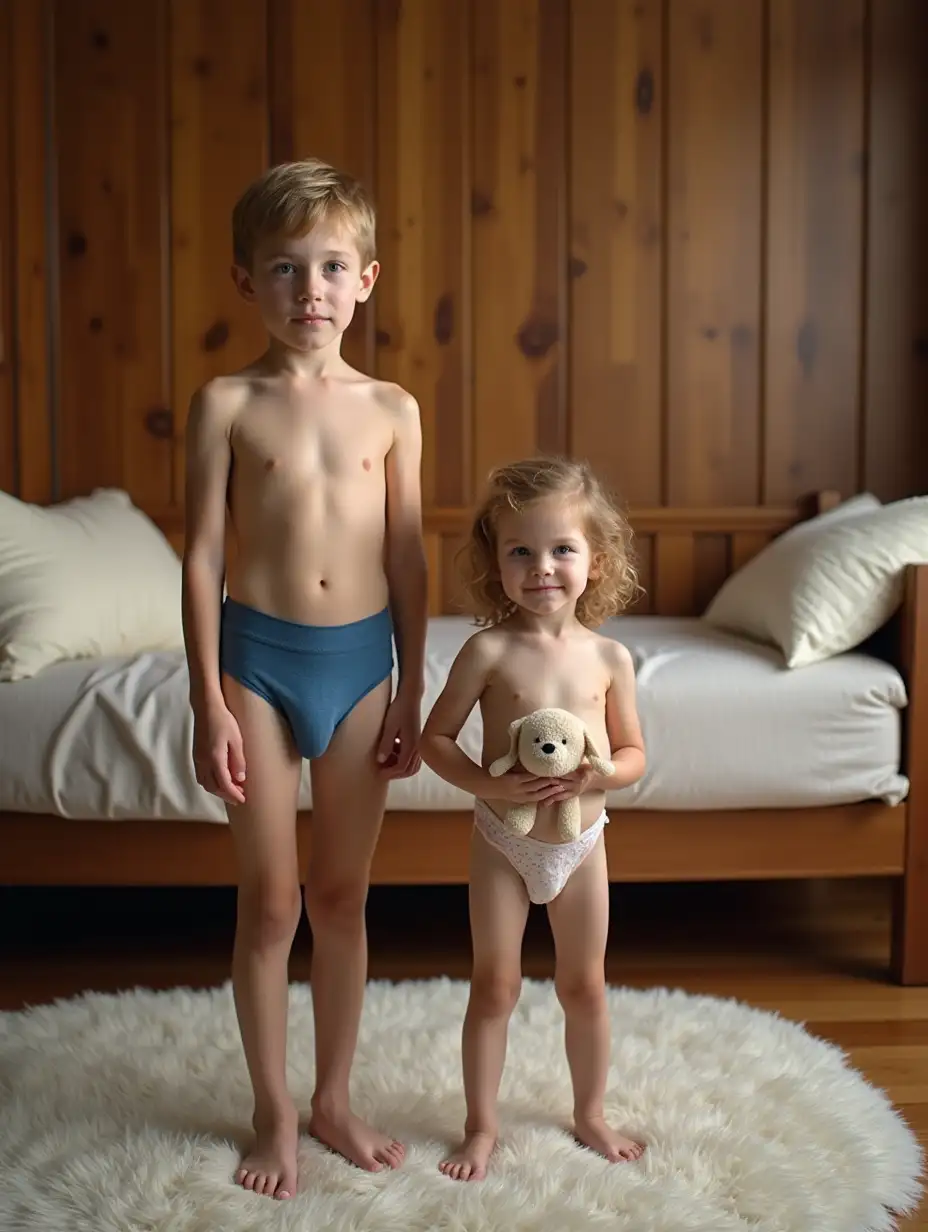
498, 912
580, 924
264, 832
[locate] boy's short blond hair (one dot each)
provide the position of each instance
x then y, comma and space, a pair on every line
292, 198
614, 577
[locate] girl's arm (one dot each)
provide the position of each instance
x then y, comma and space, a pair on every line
626, 743
463, 689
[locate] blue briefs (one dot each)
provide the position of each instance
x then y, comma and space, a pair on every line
314, 675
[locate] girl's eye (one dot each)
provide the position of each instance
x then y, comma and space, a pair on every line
520, 551
563, 547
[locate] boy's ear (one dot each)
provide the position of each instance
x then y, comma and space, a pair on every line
368, 278
243, 282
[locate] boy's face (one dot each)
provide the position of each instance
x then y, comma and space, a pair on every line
306, 287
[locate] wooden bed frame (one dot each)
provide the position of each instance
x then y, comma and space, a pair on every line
686, 554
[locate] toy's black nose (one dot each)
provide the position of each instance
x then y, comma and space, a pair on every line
547, 748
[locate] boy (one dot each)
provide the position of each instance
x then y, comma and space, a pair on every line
317, 466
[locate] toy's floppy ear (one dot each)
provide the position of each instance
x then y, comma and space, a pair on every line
597, 762
502, 764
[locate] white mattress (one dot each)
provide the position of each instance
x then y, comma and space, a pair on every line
725, 725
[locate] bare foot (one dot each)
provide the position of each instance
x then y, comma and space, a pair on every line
469, 1161
594, 1133
349, 1136
270, 1167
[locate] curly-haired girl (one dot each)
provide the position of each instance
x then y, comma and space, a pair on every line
549, 558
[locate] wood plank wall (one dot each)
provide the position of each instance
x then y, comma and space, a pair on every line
685, 238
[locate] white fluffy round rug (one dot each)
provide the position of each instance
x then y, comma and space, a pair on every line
125, 1113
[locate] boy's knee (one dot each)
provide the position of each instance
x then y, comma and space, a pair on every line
494, 995
335, 904
269, 915
581, 994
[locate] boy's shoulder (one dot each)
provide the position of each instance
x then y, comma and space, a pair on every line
221, 397
396, 401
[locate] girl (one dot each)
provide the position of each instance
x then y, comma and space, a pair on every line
549, 557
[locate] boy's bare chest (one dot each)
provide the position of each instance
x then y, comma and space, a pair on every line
287, 442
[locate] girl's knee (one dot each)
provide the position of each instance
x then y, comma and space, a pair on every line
494, 994
268, 915
583, 993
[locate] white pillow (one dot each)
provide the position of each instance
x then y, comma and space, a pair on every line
85, 578
826, 585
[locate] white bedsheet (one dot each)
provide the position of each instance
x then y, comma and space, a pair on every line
725, 725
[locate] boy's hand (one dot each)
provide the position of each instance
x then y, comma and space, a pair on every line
575, 784
398, 752
218, 755
517, 786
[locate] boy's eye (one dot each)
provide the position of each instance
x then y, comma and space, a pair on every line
334, 267
285, 267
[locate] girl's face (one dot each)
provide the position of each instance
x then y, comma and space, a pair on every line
543, 555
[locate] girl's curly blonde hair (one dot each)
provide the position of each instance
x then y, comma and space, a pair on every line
613, 582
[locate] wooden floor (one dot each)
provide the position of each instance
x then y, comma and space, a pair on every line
815, 952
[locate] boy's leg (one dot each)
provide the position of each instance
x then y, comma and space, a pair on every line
264, 831
498, 912
580, 925
349, 794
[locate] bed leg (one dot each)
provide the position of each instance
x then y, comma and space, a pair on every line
910, 916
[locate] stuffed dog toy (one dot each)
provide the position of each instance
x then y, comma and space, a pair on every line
549, 743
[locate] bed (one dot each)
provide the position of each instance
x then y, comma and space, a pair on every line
96, 785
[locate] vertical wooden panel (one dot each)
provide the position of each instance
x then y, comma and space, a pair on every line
454, 599
519, 229
896, 390
8, 477
616, 229
712, 565
220, 143
29, 78
322, 84
423, 300
114, 426
814, 248
714, 238
674, 573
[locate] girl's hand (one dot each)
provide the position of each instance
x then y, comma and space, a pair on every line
517, 786
575, 784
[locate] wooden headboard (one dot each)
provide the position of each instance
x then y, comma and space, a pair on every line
684, 554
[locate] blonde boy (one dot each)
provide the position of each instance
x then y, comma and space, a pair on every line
317, 467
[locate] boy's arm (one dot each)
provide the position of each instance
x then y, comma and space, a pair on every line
406, 565
466, 681
208, 463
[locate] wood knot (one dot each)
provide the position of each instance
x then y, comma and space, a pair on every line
159, 423
443, 324
644, 92
536, 337
216, 336
77, 244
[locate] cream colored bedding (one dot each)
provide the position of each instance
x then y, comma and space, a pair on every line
726, 727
